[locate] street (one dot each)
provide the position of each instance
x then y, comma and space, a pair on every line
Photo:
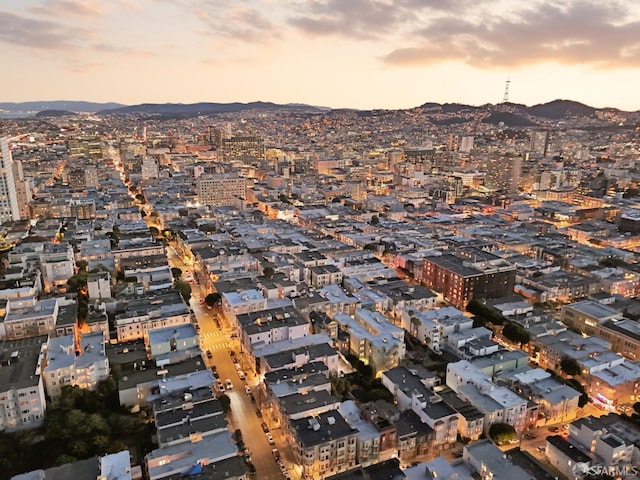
215, 336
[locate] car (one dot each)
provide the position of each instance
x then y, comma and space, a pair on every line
270, 438
209, 354
247, 454
282, 466
265, 427
253, 400
286, 476
214, 370
529, 436
554, 429
238, 367
258, 413
276, 454
247, 389
540, 448
241, 375
228, 384
232, 353
220, 386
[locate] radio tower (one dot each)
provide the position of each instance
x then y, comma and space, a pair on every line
505, 98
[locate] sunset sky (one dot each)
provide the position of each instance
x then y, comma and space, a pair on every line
336, 53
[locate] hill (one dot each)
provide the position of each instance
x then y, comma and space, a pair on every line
507, 118
558, 109
53, 113
68, 105
203, 108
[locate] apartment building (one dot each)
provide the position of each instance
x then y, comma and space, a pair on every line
373, 339
22, 395
461, 279
82, 365
323, 445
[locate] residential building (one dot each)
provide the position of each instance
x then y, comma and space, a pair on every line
22, 397
82, 365
460, 280
323, 445
373, 339
220, 189
9, 207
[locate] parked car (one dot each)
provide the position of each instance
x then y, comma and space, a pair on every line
253, 400
258, 413
241, 375
276, 454
209, 354
554, 429
228, 384
220, 386
282, 466
247, 389
270, 439
265, 427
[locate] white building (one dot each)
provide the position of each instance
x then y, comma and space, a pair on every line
63, 366
220, 189
99, 285
9, 208
373, 339
22, 399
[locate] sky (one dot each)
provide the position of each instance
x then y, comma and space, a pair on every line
363, 54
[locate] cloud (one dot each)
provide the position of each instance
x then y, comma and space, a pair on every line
33, 33
370, 19
576, 33
243, 23
66, 8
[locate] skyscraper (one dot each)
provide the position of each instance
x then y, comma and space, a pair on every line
9, 208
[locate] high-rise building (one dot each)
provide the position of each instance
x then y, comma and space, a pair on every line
150, 168
247, 149
220, 189
466, 144
503, 173
9, 207
539, 142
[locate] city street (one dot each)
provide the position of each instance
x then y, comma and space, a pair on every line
215, 336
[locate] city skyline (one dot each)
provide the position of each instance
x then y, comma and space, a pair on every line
358, 54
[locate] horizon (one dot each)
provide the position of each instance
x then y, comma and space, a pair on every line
361, 54
310, 105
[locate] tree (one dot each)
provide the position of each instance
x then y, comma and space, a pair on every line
154, 231
184, 289
268, 272
176, 272
502, 432
225, 403
570, 366
82, 265
515, 333
140, 198
375, 220
212, 299
415, 323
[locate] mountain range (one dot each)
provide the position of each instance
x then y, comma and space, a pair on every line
508, 113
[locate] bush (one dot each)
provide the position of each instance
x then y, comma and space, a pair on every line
502, 432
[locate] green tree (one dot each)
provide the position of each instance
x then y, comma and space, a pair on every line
140, 197
515, 333
225, 403
375, 220
415, 323
176, 272
502, 432
82, 265
570, 366
212, 299
184, 289
268, 272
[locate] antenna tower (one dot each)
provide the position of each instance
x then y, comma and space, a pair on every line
505, 98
